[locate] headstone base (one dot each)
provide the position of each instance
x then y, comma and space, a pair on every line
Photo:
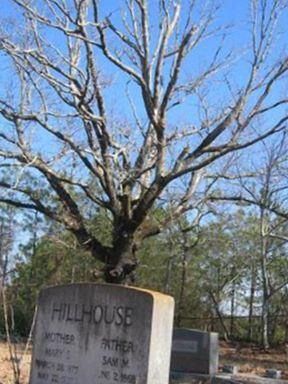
191, 378
273, 374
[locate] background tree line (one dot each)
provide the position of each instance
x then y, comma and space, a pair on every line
213, 268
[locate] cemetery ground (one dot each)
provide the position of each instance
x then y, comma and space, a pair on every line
249, 359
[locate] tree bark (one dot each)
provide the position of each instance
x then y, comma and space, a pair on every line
251, 300
167, 282
121, 260
181, 299
265, 281
265, 318
232, 312
220, 317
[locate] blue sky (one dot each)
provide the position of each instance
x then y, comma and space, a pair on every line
232, 12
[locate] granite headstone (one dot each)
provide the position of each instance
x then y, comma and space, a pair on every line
102, 334
194, 351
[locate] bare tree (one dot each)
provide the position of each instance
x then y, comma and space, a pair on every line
189, 236
267, 191
273, 193
58, 134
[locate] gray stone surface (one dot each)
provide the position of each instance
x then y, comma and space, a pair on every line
244, 379
193, 378
189, 378
273, 374
233, 369
102, 334
194, 351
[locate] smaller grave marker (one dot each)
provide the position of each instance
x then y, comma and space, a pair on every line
232, 369
194, 351
273, 374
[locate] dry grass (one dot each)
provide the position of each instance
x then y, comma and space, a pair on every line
251, 359
248, 359
6, 372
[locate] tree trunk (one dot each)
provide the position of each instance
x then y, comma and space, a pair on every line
286, 318
169, 265
2, 263
121, 261
265, 318
184, 264
232, 312
220, 317
251, 300
121, 266
265, 281
181, 299
167, 282
5, 246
